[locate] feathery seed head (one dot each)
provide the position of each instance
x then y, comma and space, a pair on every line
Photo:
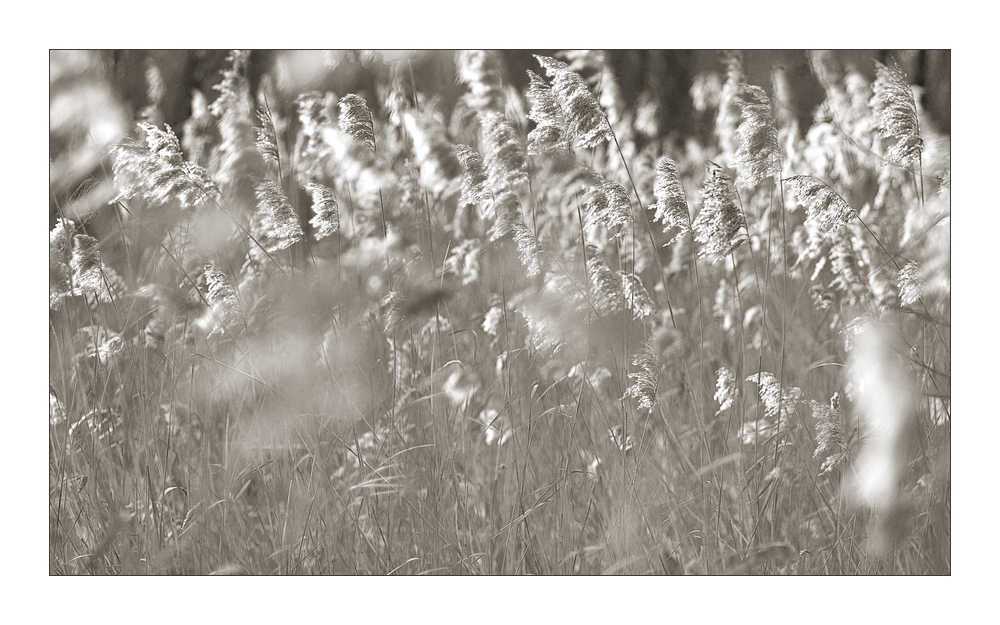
759, 154
910, 283
770, 391
586, 122
551, 132
111, 288
505, 158
239, 161
61, 239
86, 265
671, 204
163, 143
646, 380
774, 397
608, 204
783, 91
326, 212
547, 139
222, 296
475, 184
157, 172
636, 296
705, 91
829, 435
267, 139
507, 212
605, 286
497, 431
729, 113
60, 249
234, 88
529, 249
356, 120
896, 114
725, 389
391, 309
719, 226
848, 269
823, 205
545, 109
823, 298
278, 220
156, 88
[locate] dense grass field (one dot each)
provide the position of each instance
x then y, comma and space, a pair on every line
515, 326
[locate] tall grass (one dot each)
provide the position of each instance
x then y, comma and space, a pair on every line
509, 332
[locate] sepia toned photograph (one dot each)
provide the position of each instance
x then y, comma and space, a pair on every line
499, 312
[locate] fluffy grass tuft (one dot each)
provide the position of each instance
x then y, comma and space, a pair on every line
896, 114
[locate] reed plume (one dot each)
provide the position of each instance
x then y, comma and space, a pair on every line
356, 120
506, 213
896, 114
86, 265
829, 435
823, 205
759, 155
222, 297
719, 226
637, 298
529, 249
605, 285
60, 249
586, 123
910, 284
278, 221
475, 183
608, 205
239, 162
505, 159
729, 113
645, 381
725, 389
326, 212
157, 171
776, 400
266, 137
551, 132
671, 204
